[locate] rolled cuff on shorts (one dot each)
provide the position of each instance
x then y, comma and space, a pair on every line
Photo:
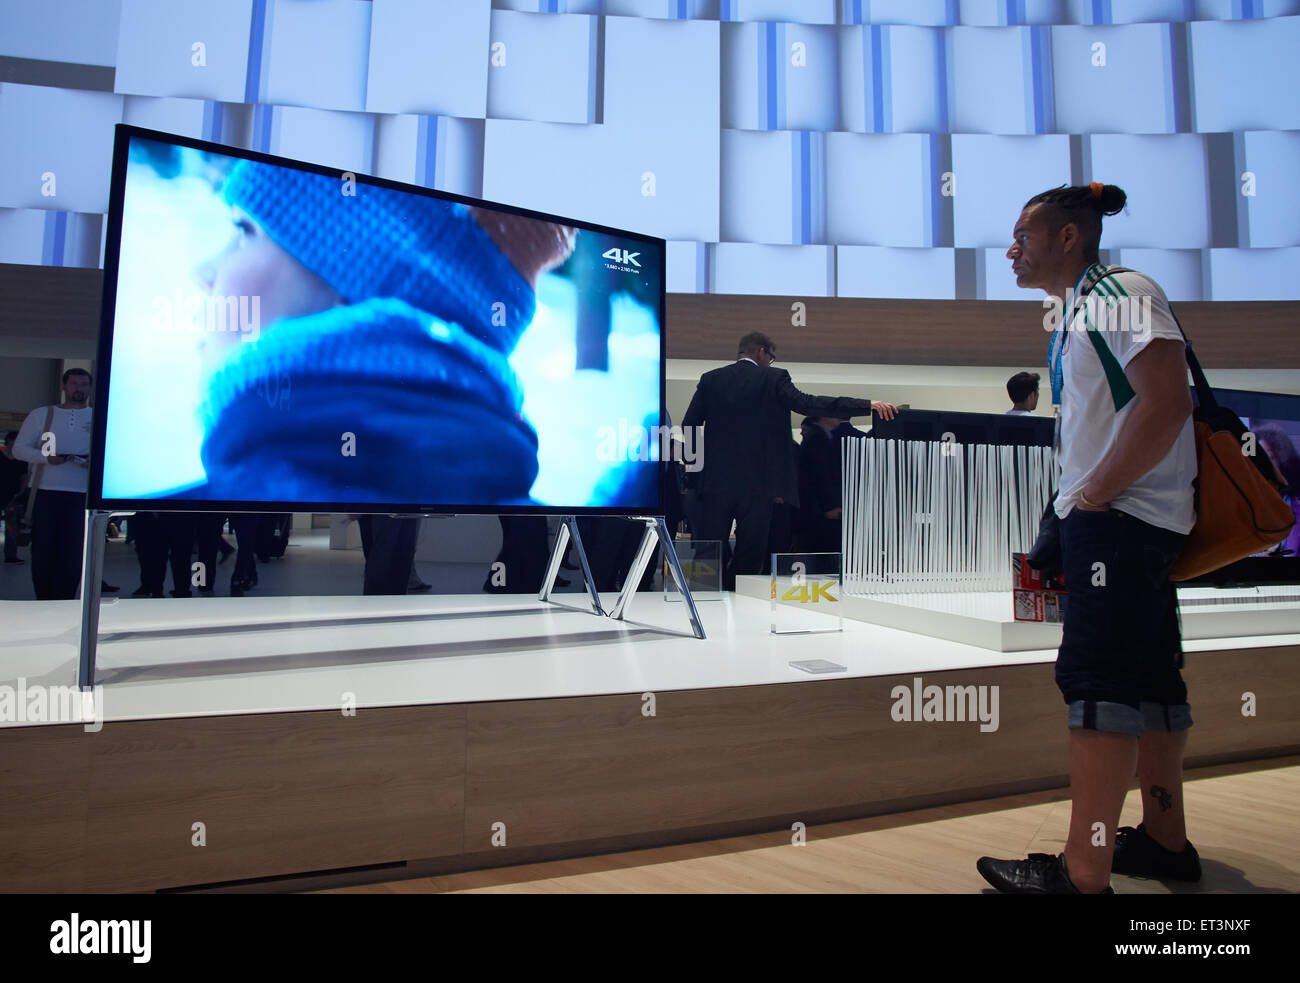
1172, 718
1120, 718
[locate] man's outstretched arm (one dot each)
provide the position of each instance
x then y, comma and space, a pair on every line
839, 407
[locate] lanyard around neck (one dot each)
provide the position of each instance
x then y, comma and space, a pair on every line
1060, 338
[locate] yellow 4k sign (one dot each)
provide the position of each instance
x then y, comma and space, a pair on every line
808, 592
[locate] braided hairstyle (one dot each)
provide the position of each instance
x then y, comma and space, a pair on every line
1084, 205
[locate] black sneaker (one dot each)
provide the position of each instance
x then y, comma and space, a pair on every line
1041, 873
1138, 855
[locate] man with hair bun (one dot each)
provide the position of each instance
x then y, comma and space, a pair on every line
1126, 460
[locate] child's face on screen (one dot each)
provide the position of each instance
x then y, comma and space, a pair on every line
251, 284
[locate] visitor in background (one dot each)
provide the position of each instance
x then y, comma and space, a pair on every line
1023, 390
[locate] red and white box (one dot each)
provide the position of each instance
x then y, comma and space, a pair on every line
1036, 597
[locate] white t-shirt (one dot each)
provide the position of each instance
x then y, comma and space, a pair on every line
1126, 312
71, 429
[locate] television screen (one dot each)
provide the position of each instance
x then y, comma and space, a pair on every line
280, 336
1280, 440
1274, 421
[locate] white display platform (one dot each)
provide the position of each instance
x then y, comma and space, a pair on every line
192, 656
197, 656
985, 618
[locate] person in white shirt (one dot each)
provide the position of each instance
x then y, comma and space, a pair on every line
1126, 460
58, 451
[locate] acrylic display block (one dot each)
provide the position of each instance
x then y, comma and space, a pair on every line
701, 562
806, 593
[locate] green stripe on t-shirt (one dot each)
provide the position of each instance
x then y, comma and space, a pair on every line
1112, 286
1121, 392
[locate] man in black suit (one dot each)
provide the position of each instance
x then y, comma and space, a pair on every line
745, 409
820, 480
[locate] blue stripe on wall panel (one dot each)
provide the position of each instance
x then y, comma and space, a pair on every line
886, 76
877, 80
214, 119
55, 238
941, 87
1041, 68
817, 181
781, 64
796, 188
805, 188
594, 112
771, 67
868, 88
933, 186
263, 126
426, 151
256, 34
1027, 66
1173, 45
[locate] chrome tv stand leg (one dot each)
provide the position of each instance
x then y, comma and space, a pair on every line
569, 528
656, 528
92, 579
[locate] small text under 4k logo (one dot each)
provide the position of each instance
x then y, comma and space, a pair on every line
622, 258
103, 936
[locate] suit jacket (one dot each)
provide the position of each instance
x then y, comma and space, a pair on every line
819, 474
745, 410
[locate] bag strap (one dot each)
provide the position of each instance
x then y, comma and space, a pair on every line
34, 481
1204, 395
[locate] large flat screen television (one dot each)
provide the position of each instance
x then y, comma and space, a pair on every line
282, 336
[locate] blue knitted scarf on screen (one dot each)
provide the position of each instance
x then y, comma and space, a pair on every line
379, 242
432, 410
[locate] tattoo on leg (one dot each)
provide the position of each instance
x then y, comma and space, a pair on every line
1162, 796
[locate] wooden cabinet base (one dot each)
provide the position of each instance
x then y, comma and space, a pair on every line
297, 800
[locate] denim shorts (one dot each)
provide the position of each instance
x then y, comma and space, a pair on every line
1121, 647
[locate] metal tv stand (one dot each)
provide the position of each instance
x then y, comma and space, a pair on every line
655, 530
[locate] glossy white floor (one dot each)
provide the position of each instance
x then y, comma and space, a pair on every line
184, 657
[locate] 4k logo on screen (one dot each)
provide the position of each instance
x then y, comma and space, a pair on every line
621, 256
